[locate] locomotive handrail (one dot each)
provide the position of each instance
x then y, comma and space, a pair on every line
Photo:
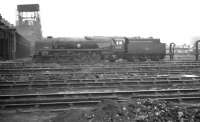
171, 50
197, 49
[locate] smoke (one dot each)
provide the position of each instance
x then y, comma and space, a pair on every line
194, 39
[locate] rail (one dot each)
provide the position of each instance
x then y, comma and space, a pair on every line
90, 98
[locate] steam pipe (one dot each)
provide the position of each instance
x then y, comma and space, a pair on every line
171, 50
197, 50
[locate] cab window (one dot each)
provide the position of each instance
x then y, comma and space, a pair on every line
119, 43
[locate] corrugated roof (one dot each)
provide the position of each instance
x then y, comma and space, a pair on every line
28, 7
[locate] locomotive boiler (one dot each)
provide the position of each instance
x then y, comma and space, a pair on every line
94, 49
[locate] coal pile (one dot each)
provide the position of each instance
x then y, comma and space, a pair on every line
137, 110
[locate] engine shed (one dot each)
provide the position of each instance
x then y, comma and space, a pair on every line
12, 44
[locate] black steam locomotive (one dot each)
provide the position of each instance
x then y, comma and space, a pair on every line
90, 49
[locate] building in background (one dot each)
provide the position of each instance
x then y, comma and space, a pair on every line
28, 23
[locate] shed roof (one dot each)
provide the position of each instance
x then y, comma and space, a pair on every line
28, 7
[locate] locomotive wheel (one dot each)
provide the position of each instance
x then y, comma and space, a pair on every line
80, 57
142, 58
95, 57
86, 57
131, 58
155, 58
73, 57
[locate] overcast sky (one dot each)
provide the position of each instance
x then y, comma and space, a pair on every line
170, 20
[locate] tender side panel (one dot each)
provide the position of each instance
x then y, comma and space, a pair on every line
146, 47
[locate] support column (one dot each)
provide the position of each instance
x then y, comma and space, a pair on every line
9, 56
4, 45
14, 44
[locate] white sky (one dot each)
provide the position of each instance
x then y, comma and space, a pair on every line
170, 20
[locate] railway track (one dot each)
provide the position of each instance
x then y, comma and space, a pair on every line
138, 83
132, 63
91, 98
100, 74
11, 64
63, 77
4, 65
100, 68
89, 92
103, 68
120, 82
114, 65
93, 72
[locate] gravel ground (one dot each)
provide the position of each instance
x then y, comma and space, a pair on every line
137, 110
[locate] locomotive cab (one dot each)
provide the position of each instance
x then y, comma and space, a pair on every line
119, 44
118, 48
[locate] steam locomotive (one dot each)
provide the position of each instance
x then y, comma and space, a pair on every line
94, 49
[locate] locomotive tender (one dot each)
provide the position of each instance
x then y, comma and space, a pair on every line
99, 48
